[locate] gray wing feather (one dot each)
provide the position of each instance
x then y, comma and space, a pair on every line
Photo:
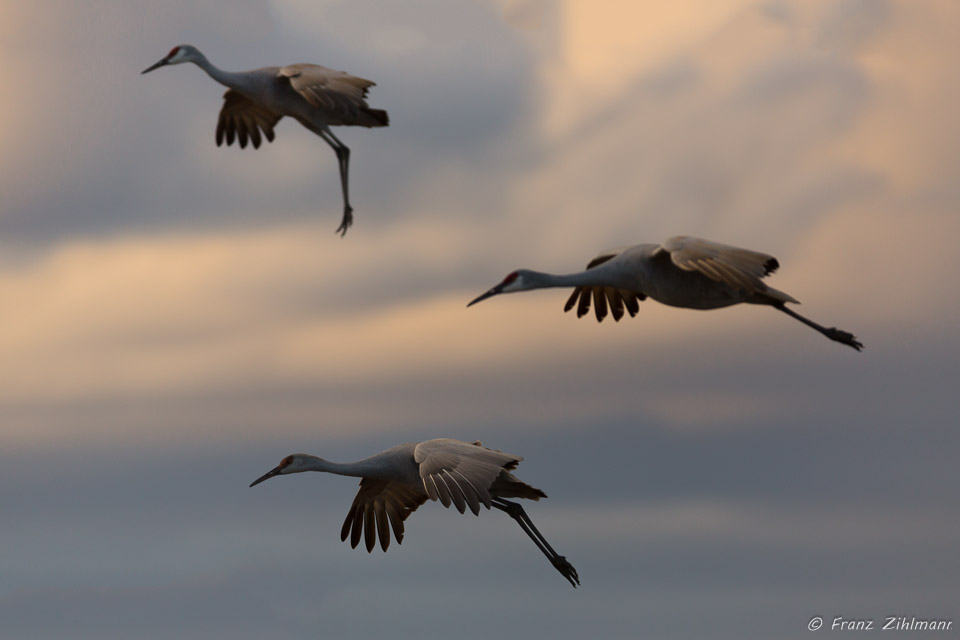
336, 92
460, 467
472, 497
739, 268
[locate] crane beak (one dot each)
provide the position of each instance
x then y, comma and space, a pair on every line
162, 63
269, 474
492, 292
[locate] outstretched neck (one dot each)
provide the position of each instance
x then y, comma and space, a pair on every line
541, 280
368, 467
238, 81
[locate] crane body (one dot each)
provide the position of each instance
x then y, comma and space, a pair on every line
684, 271
395, 482
315, 96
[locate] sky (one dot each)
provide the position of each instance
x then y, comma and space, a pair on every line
178, 317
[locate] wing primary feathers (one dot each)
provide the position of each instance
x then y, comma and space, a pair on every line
459, 499
430, 485
631, 301
472, 497
396, 521
369, 527
616, 303
584, 307
382, 527
442, 489
357, 527
599, 304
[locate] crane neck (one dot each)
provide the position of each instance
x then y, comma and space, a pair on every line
590, 277
368, 467
231, 79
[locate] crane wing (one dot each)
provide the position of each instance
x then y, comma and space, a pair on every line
338, 94
461, 473
243, 118
739, 268
619, 299
379, 506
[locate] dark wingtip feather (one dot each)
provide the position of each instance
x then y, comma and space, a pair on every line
630, 301
599, 304
369, 528
584, 307
770, 266
383, 528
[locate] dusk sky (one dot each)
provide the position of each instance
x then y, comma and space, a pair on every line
177, 317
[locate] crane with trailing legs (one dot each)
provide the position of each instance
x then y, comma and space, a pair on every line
315, 96
397, 481
682, 272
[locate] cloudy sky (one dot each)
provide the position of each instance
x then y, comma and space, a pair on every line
177, 317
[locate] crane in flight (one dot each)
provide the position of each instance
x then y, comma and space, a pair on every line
397, 481
682, 272
315, 96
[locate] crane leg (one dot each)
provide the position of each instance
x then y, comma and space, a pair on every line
559, 562
833, 333
343, 159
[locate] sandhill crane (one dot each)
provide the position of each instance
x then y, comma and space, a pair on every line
315, 96
397, 481
682, 272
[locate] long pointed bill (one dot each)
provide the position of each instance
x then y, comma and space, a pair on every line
162, 63
492, 292
269, 474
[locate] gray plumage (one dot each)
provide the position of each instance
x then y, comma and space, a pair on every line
397, 481
682, 272
317, 97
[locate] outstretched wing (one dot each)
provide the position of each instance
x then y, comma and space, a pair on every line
339, 94
460, 473
242, 118
738, 268
379, 506
619, 299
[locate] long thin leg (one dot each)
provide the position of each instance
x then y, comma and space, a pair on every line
343, 159
833, 333
559, 562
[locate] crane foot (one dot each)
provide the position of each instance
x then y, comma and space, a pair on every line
843, 337
346, 222
566, 570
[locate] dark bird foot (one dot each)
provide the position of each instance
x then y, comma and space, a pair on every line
346, 222
566, 570
844, 337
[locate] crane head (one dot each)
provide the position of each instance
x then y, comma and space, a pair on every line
515, 281
293, 463
178, 55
